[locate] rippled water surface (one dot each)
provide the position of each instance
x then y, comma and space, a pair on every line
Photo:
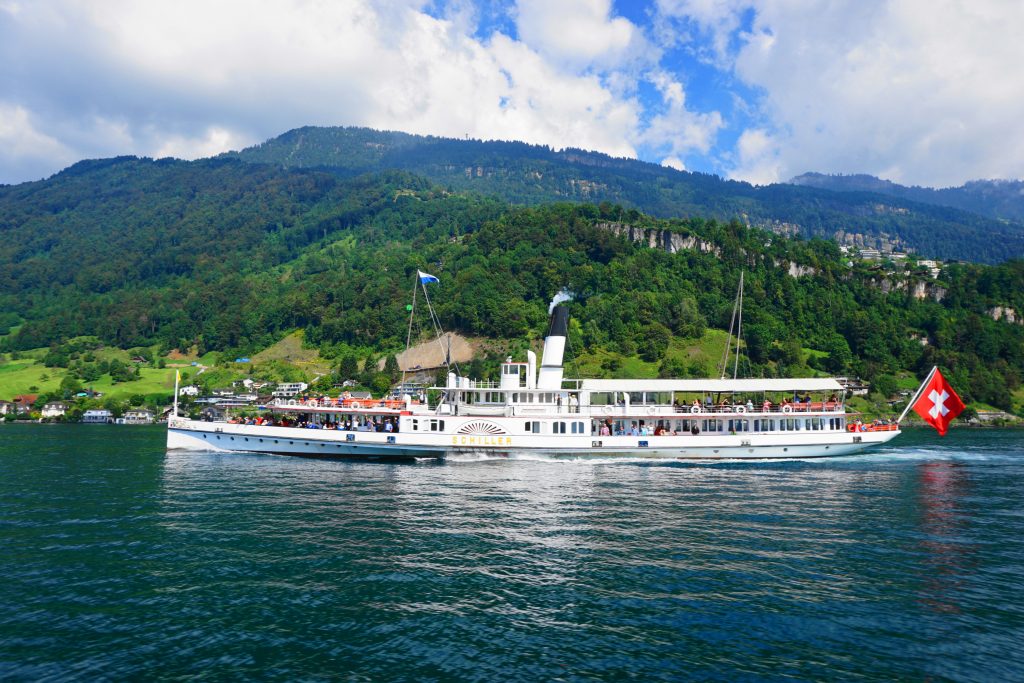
120, 561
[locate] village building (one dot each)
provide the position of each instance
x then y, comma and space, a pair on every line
54, 409
98, 416
290, 389
23, 402
137, 417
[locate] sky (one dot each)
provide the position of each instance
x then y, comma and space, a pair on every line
920, 92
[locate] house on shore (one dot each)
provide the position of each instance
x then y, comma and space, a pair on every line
98, 416
23, 402
54, 409
137, 417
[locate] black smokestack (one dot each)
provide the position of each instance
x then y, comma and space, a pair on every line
559, 326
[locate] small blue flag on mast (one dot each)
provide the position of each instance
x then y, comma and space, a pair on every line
426, 278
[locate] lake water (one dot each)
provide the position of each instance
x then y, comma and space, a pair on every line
120, 561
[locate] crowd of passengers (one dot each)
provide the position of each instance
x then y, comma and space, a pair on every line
609, 428
369, 424
727, 406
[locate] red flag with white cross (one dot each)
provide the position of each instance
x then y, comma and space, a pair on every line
938, 404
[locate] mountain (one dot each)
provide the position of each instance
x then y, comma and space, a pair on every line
526, 174
231, 256
998, 199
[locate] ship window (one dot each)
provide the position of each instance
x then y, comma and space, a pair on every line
533, 427
577, 428
559, 428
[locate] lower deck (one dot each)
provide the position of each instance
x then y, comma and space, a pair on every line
193, 435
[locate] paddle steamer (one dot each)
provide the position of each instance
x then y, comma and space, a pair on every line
534, 410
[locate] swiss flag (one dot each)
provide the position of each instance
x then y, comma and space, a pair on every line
938, 404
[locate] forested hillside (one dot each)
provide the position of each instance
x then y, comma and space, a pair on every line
528, 175
230, 256
999, 199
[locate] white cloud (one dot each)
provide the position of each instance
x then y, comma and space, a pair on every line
758, 158
919, 91
679, 129
214, 141
673, 162
578, 33
27, 152
689, 19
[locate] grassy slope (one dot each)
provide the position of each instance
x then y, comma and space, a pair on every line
16, 376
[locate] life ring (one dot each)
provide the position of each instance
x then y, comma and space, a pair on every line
696, 410
740, 409
787, 408
651, 410
356, 404
607, 410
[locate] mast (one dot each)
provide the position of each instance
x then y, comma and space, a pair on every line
739, 329
737, 312
408, 334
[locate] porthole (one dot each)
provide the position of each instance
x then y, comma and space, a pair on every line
785, 450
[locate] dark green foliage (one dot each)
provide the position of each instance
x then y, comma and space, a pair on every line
391, 368
530, 174
348, 368
999, 199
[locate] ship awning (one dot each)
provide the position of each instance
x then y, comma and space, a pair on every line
713, 386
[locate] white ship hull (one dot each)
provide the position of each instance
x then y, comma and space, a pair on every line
190, 435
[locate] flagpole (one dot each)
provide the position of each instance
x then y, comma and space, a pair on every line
177, 376
408, 334
917, 394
